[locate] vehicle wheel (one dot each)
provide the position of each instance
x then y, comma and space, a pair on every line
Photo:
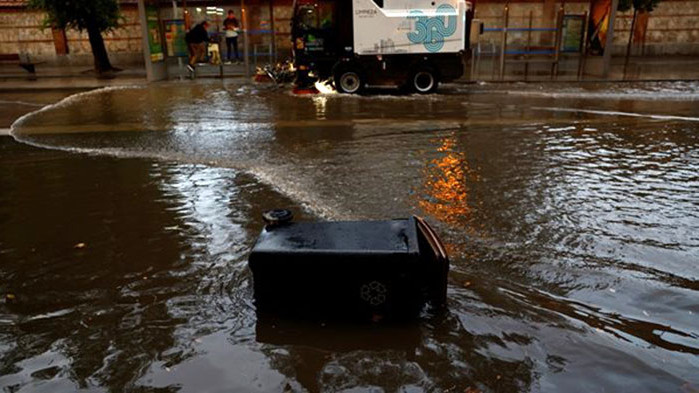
423, 81
349, 80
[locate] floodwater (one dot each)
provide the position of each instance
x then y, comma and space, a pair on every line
18, 103
571, 214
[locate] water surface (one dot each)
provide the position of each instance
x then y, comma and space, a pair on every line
570, 213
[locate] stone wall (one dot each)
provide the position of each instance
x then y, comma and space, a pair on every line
22, 31
673, 27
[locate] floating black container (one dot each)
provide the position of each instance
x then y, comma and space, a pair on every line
353, 269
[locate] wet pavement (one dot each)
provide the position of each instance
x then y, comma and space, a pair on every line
14, 104
570, 213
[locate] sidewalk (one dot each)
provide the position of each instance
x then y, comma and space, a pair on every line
656, 68
14, 78
12, 71
639, 69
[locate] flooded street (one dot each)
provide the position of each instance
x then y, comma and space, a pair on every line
571, 214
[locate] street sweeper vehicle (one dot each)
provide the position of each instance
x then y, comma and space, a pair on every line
410, 44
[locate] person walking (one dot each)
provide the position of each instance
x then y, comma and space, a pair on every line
231, 26
197, 40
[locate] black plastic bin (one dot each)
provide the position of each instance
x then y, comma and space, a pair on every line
364, 269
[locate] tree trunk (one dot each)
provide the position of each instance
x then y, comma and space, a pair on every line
99, 51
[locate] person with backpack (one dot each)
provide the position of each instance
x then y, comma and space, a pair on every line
197, 40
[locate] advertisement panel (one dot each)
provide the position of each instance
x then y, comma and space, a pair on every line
174, 38
155, 44
600, 11
408, 27
572, 34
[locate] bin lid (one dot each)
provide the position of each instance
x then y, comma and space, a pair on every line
346, 237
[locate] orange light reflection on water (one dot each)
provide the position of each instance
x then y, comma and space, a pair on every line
445, 193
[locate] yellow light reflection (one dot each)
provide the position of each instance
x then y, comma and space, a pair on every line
446, 185
320, 103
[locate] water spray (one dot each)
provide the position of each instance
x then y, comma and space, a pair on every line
325, 87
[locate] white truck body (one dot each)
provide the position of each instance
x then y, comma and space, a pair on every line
409, 26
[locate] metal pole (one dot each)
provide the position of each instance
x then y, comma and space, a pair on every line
474, 48
478, 59
246, 49
557, 49
180, 70
609, 41
475, 57
220, 55
583, 53
273, 33
643, 39
529, 44
185, 15
503, 45
628, 46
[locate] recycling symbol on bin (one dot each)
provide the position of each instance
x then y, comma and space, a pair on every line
374, 293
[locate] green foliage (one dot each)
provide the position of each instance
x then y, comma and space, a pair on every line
638, 5
102, 15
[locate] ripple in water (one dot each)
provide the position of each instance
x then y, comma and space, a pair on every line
572, 233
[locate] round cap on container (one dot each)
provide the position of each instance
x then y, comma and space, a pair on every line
277, 216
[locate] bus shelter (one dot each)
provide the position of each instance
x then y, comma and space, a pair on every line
263, 37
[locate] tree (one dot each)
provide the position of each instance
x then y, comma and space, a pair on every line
93, 16
638, 6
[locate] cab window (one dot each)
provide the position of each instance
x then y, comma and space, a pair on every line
316, 16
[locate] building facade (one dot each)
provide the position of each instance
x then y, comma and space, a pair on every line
671, 29
22, 31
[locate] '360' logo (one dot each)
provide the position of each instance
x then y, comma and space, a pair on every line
432, 31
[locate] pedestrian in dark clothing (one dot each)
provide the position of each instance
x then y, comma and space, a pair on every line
197, 40
232, 27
